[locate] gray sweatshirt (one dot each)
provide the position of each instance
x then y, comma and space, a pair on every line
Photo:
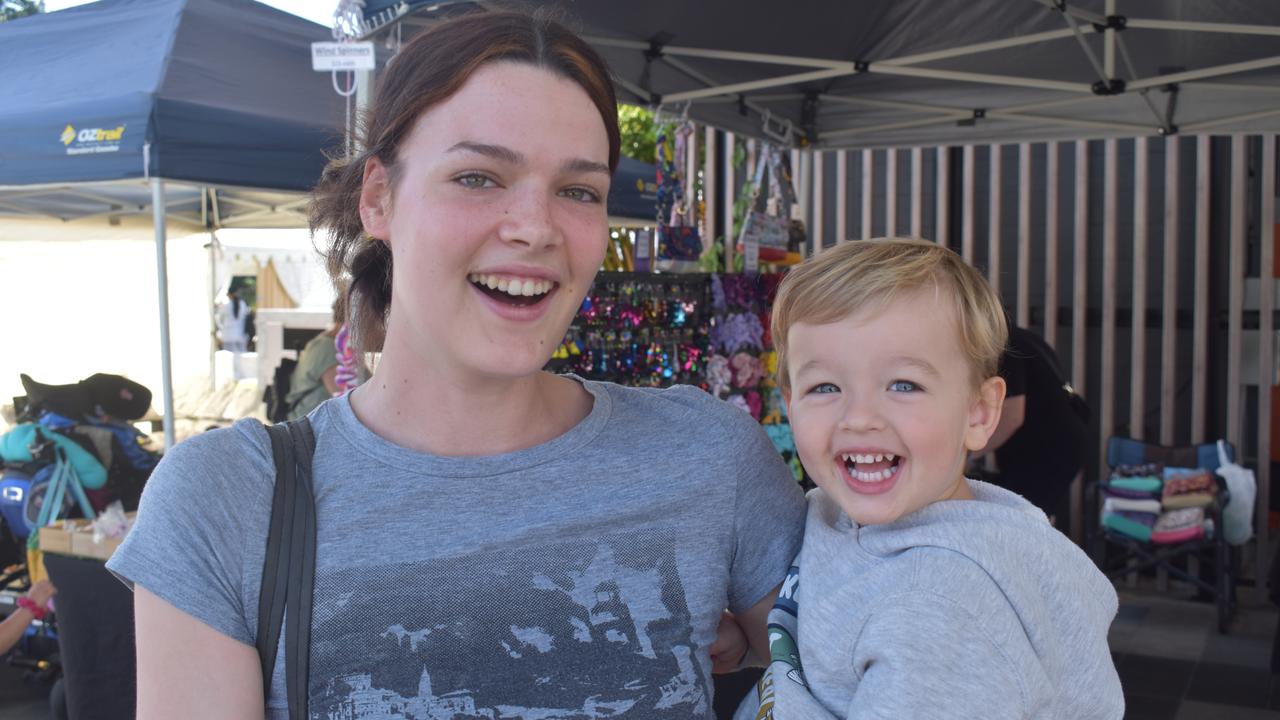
963, 609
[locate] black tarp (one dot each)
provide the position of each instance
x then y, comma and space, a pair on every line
1039, 86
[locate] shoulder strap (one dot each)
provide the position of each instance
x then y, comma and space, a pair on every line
288, 571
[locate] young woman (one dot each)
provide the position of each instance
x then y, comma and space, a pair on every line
493, 540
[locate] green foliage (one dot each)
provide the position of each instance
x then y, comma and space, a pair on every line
14, 9
638, 134
712, 260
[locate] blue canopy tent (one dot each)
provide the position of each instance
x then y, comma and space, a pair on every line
204, 112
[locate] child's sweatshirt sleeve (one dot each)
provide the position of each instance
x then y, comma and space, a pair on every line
921, 656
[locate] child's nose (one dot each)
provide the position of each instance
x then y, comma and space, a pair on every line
861, 415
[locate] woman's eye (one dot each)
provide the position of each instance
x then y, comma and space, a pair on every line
581, 195
903, 386
475, 181
824, 389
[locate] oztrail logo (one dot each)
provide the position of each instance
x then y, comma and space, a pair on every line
91, 140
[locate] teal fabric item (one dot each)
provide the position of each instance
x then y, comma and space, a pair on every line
15, 443
15, 447
1125, 526
1137, 484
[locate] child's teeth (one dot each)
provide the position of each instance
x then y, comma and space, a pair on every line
502, 285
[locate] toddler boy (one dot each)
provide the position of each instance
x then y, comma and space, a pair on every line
918, 593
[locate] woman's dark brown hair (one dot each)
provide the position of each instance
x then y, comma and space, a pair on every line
426, 72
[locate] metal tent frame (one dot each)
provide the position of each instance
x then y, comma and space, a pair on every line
1091, 72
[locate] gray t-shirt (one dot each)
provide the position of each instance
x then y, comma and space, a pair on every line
580, 578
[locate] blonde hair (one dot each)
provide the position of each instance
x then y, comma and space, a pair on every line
869, 274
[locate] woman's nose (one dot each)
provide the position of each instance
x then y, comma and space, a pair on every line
528, 219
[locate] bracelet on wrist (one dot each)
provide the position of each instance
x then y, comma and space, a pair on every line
30, 606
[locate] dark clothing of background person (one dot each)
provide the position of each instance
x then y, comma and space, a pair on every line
1044, 454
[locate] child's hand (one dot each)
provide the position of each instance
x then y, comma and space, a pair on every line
730, 647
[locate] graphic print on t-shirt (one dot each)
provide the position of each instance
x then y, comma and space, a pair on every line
552, 632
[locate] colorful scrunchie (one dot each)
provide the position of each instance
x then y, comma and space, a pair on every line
347, 375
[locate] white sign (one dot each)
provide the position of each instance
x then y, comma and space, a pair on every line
327, 56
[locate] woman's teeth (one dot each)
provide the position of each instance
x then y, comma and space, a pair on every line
517, 287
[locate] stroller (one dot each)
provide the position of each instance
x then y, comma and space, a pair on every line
72, 453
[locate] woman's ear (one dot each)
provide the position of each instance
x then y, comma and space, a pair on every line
375, 200
984, 413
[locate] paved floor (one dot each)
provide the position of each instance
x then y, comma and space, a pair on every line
1172, 662
1174, 665
20, 699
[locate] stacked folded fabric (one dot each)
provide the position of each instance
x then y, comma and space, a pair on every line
1132, 500
1188, 488
1181, 525
1187, 492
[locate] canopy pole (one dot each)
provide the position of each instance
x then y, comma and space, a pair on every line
212, 290
162, 280
1109, 45
1156, 24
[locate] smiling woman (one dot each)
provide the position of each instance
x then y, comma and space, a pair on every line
493, 540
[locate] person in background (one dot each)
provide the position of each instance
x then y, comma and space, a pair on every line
316, 377
233, 321
1039, 444
31, 606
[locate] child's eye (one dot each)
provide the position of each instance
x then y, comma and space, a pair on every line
824, 389
581, 194
903, 386
475, 181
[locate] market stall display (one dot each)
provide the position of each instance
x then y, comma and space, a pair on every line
706, 330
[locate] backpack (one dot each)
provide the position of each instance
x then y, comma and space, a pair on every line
276, 393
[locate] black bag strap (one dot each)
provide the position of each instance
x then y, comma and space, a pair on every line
288, 571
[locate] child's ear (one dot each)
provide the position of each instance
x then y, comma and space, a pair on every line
375, 200
786, 399
984, 413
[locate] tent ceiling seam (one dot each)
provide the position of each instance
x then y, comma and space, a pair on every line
1084, 45
1215, 71
1166, 125
1072, 10
694, 74
742, 87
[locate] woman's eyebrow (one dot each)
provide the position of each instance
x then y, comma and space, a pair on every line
497, 152
578, 165
509, 156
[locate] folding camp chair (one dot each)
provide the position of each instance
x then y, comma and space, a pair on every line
1136, 556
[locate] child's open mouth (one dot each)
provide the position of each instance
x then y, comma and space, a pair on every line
871, 468
516, 291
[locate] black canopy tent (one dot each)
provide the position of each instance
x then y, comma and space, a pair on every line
204, 112
818, 75
882, 73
